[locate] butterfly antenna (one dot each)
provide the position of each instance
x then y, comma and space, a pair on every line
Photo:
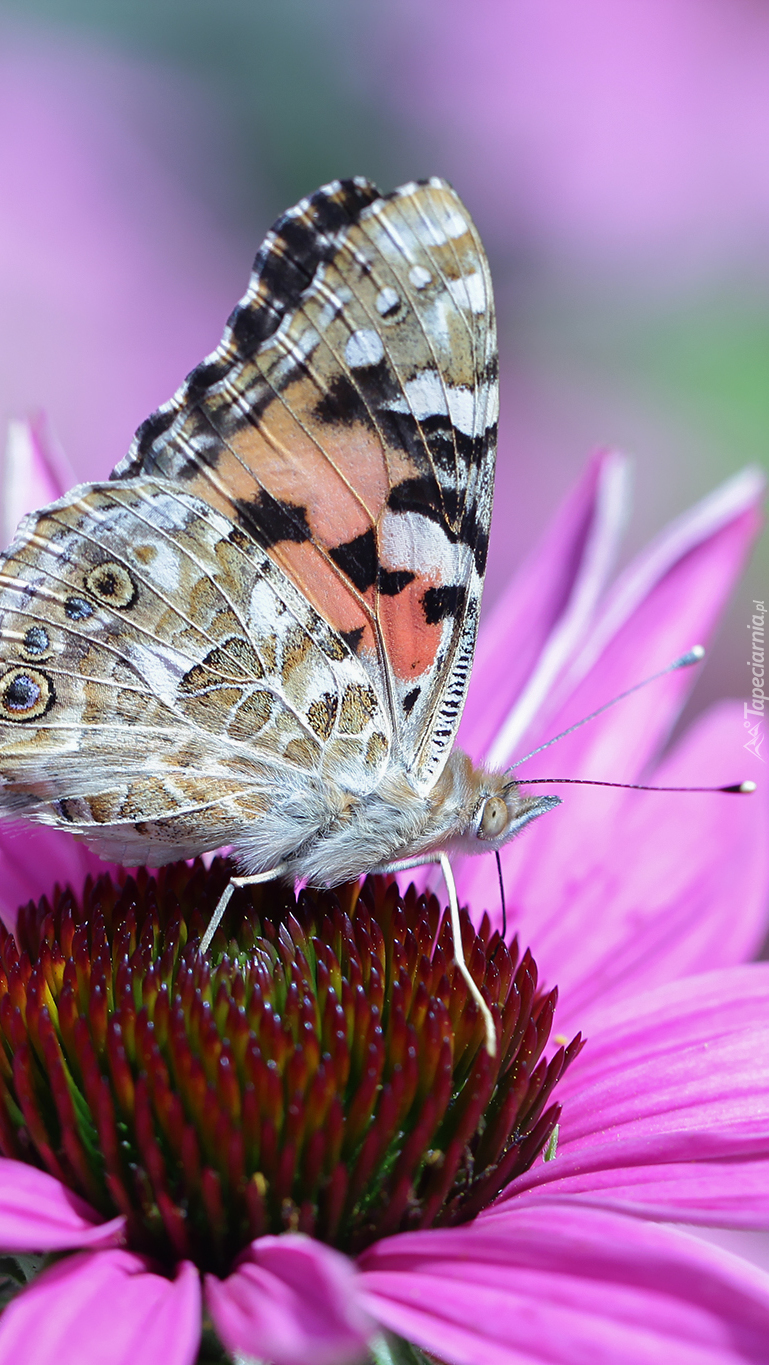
501, 893
692, 656
736, 788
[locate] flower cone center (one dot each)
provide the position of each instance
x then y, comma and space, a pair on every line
321, 1069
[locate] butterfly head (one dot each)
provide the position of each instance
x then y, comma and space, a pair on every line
490, 806
502, 813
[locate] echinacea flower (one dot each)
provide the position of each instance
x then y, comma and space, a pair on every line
133, 1106
319, 1075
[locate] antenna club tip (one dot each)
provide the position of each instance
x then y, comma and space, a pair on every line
747, 787
692, 656
742, 788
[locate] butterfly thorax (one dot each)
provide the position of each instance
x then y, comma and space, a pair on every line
339, 835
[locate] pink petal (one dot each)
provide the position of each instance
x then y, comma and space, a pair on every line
654, 886
541, 619
290, 1300
103, 1308
668, 601
560, 1282
667, 1108
753, 1246
32, 473
37, 1213
33, 859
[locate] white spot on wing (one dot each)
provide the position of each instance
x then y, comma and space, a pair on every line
411, 541
462, 410
419, 277
492, 404
470, 291
387, 300
426, 396
364, 347
165, 562
453, 224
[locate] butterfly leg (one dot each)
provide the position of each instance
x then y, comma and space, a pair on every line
226, 896
456, 931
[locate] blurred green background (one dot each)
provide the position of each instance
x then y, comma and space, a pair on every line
615, 158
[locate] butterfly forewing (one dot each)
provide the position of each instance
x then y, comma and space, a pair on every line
356, 441
281, 582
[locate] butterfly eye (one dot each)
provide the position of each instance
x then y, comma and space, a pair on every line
493, 818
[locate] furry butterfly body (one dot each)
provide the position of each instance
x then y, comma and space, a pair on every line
259, 631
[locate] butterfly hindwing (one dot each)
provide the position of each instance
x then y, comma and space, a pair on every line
140, 704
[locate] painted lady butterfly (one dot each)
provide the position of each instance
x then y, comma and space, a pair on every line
259, 632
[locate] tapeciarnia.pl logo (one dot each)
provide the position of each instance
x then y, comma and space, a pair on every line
756, 706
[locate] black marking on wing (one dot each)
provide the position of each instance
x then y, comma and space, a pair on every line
271, 521
446, 442
352, 638
481, 551
349, 401
358, 559
288, 258
238, 538
151, 429
291, 253
438, 603
475, 535
37, 640
393, 581
447, 445
410, 700
78, 608
417, 495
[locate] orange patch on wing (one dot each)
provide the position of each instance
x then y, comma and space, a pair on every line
322, 586
358, 450
282, 458
412, 645
340, 473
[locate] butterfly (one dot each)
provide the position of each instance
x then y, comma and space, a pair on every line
259, 631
